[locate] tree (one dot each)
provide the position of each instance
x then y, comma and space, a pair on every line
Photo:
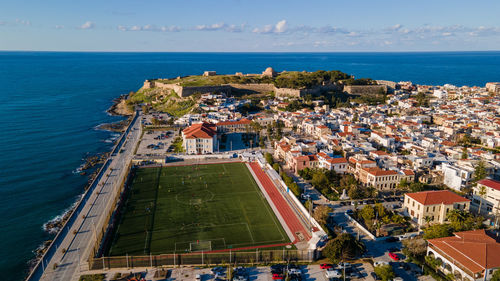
481, 192
276, 167
269, 158
496, 276
479, 171
438, 231
355, 118
145, 109
367, 213
456, 218
343, 247
427, 219
319, 180
465, 155
416, 247
321, 214
385, 272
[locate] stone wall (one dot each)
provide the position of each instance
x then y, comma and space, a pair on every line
241, 88
364, 89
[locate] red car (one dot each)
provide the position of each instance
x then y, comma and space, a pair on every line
277, 276
393, 256
325, 266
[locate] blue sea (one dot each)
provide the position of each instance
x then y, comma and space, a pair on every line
51, 103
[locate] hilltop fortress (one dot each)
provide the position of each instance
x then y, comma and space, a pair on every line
239, 83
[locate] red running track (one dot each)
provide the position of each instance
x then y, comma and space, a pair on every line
286, 212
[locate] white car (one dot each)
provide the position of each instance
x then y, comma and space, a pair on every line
198, 277
332, 273
380, 263
398, 279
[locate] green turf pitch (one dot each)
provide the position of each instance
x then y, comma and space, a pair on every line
194, 208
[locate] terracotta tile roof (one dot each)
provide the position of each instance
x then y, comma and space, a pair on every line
490, 183
473, 249
408, 172
434, 197
337, 160
379, 172
200, 131
239, 122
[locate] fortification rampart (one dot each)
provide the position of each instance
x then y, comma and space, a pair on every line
365, 89
185, 91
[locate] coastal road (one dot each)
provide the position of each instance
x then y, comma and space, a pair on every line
73, 251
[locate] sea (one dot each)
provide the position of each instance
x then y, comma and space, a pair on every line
52, 102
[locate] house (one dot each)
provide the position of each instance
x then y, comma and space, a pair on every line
200, 139
456, 176
468, 255
408, 175
490, 198
379, 178
234, 126
304, 161
433, 205
339, 165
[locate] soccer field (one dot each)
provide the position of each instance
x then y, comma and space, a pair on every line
194, 208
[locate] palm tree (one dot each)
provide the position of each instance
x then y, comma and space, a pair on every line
481, 193
427, 220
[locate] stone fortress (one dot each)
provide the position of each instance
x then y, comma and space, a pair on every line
253, 88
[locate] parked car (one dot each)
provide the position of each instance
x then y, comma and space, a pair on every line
277, 276
294, 271
393, 256
277, 268
343, 265
391, 239
217, 269
325, 266
332, 273
380, 263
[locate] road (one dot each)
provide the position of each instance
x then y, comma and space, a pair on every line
73, 251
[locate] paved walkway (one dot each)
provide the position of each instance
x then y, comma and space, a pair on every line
80, 239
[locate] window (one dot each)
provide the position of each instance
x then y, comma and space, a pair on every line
427, 210
434, 208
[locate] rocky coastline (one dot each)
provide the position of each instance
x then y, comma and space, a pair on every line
88, 168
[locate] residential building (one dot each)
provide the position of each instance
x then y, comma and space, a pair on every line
490, 198
433, 205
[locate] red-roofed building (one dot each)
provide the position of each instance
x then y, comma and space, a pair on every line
434, 205
238, 126
469, 255
304, 161
490, 200
379, 178
200, 139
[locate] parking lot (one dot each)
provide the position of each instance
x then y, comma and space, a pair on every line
156, 142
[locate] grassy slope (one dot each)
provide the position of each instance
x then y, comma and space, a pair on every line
230, 211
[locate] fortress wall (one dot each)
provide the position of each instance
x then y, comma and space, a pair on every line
187, 91
260, 88
364, 89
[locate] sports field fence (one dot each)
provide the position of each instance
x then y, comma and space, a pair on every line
200, 258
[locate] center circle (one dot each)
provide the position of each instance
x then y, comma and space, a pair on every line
194, 197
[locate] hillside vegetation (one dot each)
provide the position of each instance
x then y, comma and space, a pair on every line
164, 101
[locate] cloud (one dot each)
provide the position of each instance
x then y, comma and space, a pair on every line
221, 27
149, 27
59, 26
87, 25
279, 27
23, 22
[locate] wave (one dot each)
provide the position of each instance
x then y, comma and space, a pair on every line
54, 225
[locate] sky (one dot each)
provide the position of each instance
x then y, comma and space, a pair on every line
250, 26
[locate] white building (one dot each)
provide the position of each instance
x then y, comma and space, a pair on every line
200, 139
491, 197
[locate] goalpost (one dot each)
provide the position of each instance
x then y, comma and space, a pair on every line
200, 246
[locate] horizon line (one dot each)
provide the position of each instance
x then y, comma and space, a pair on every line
247, 52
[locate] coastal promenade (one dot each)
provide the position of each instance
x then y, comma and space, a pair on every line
68, 255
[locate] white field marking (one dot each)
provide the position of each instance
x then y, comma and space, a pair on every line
250, 232
187, 242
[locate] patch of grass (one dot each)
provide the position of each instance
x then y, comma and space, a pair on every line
175, 209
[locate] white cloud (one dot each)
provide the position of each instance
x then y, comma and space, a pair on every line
149, 27
87, 25
59, 26
221, 26
23, 22
279, 27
